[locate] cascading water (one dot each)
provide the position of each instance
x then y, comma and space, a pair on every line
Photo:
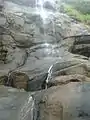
45, 14
42, 12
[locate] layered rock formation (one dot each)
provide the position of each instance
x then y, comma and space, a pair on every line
41, 54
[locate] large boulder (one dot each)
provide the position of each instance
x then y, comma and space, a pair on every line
15, 104
18, 80
37, 82
23, 40
66, 102
69, 67
81, 45
77, 69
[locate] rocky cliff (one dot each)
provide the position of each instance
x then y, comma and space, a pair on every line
43, 48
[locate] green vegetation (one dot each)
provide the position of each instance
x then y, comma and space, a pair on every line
78, 9
77, 15
81, 5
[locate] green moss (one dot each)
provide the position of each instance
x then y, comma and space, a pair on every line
77, 14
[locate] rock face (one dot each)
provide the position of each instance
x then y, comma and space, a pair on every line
49, 5
75, 66
68, 102
27, 3
34, 40
81, 45
18, 80
2, 19
29, 41
37, 83
38, 50
62, 80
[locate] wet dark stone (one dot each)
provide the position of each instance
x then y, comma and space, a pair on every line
83, 114
81, 45
48, 5
37, 82
82, 51
3, 80
82, 40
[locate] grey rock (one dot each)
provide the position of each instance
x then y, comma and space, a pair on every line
62, 80
49, 5
34, 18
2, 20
15, 104
37, 82
68, 102
37, 44
75, 66
18, 80
23, 40
19, 20
81, 45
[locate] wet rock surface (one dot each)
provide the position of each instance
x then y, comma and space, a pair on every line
81, 46
40, 54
